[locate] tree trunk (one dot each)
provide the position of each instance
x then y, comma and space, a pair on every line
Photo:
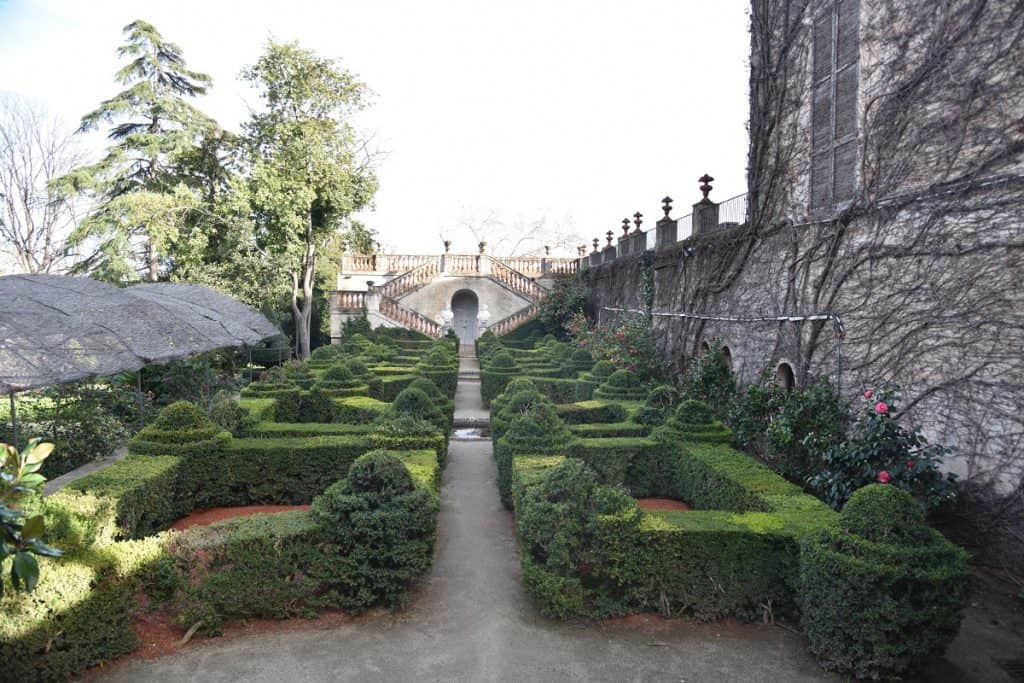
302, 312
154, 268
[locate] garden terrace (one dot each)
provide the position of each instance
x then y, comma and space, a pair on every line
746, 544
112, 524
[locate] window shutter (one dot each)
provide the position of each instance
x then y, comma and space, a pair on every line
844, 172
846, 103
823, 47
848, 32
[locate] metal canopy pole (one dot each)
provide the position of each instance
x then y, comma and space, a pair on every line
138, 398
14, 421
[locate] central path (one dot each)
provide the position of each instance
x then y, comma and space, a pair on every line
473, 622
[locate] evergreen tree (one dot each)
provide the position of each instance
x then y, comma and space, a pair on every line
141, 201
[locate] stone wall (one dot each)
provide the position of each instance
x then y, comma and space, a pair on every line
925, 266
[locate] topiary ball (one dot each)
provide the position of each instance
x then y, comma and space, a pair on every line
602, 369
428, 388
692, 412
337, 373
502, 359
885, 514
381, 473
357, 368
182, 415
415, 403
581, 355
623, 379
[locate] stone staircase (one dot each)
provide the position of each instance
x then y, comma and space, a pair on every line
385, 300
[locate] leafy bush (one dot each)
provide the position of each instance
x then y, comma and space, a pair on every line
627, 343
589, 381
880, 604
789, 429
709, 379
562, 303
406, 433
537, 430
381, 530
658, 406
229, 416
559, 536
878, 448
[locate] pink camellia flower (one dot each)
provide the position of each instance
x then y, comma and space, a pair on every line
910, 464
881, 408
883, 477
868, 394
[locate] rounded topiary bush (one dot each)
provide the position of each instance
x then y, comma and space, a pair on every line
621, 385
300, 374
338, 380
380, 529
693, 413
658, 406
580, 360
380, 473
513, 404
428, 388
537, 430
885, 514
180, 429
590, 381
494, 376
357, 368
602, 370
693, 421
407, 433
564, 568
416, 403
883, 593
273, 382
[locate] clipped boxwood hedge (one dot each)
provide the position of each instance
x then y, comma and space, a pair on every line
591, 412
359, 409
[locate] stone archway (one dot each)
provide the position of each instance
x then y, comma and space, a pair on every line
465, 305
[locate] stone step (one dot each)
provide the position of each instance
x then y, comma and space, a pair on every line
471, 422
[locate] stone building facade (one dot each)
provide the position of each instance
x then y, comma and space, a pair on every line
884, 236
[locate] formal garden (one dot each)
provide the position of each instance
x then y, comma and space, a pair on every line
354, 440
692, 498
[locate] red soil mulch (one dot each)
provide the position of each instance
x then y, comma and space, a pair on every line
662, 504
204, 517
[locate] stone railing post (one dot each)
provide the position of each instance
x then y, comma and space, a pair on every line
372, 298
705, 212
666, 229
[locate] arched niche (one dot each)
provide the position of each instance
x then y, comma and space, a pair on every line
465, 306
784, 376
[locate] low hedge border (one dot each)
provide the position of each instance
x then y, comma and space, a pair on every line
591, 412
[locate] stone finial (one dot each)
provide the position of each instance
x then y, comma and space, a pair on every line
547, 250
596, 242
447, 246
625, 226
637, 220
666, 205
482, 246
608, 236
705, 187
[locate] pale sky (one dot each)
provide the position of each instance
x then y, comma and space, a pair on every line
577, 113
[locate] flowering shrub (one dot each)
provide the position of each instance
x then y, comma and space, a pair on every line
878, 449
627, 344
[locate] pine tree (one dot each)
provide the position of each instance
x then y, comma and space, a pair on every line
141, 201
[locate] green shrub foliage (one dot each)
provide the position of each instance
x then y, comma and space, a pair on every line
559, 535
658, 405
229, 416
883, 593
380, 529
537, 430
180, 429
413, 402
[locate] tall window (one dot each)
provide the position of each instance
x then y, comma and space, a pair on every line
834, 109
